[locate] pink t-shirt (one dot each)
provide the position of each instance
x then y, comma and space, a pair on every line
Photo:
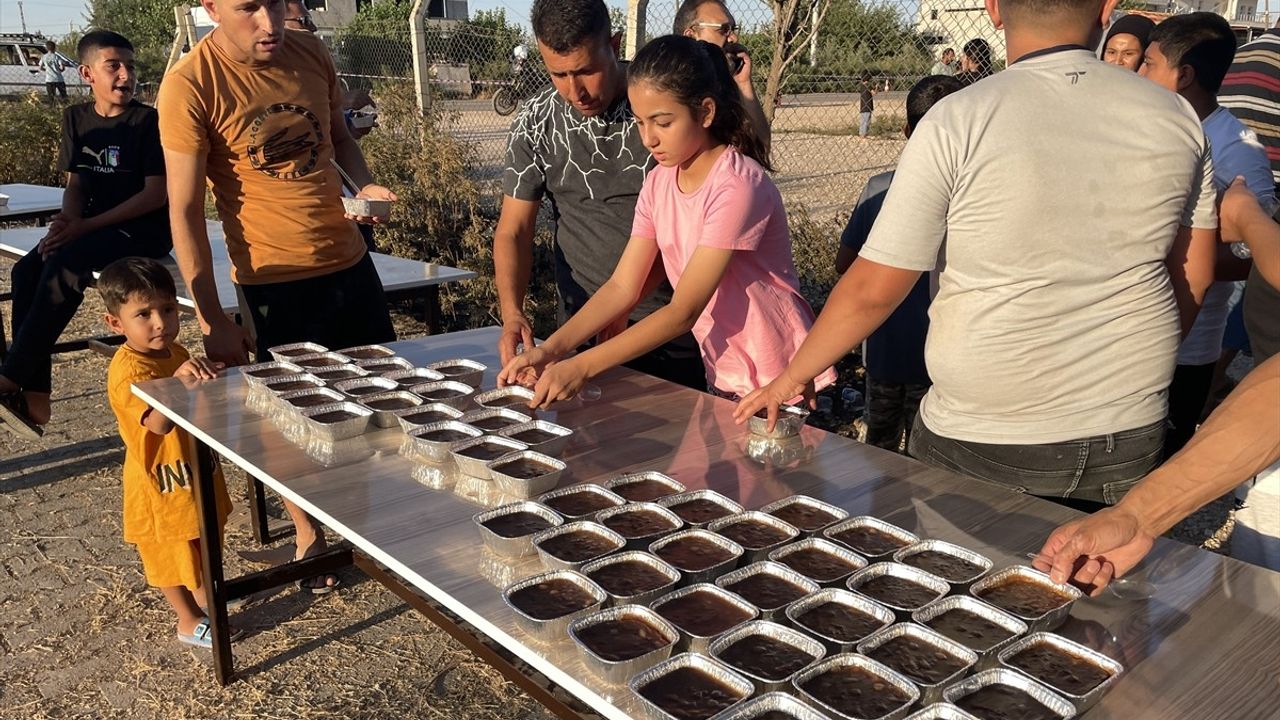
757, 319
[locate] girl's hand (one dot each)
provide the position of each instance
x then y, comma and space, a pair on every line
199, 368
559, 381
772, 396
525, 368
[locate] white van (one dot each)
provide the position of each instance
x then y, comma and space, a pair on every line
20, 71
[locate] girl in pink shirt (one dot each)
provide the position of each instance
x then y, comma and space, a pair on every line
715, 221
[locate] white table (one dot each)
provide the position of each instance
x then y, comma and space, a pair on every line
30, 202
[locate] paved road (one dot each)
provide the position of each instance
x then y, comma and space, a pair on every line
805, 100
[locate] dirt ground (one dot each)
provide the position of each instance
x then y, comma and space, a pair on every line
82, 636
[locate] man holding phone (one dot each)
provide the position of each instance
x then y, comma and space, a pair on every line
710, 21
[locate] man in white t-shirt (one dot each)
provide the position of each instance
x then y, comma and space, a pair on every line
946, 65
54, 63
1190, 55
1071, 253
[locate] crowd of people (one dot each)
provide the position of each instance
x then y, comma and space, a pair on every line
1044, 284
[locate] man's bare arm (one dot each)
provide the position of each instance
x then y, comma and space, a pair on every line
512, 266
1190, 263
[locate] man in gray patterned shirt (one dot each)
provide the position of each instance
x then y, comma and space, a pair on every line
576, 143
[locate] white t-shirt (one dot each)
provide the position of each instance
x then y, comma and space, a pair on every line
54, 63
1049, 196
1236, 152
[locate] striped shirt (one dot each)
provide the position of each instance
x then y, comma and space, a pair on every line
1251, 91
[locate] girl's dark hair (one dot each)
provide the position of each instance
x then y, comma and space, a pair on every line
980, 53
692, 70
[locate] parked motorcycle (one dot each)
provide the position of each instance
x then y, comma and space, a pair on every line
525, 80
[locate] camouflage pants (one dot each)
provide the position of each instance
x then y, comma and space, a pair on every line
891, 409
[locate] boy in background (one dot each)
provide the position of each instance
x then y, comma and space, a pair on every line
159, 508
896, 374
54, 63
114, 207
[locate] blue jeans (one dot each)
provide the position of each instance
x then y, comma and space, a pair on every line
1095, 470
864, 124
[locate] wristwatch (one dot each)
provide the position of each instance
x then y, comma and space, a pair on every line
1241, 250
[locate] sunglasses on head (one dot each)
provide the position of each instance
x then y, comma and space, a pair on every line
303, 21
726, 29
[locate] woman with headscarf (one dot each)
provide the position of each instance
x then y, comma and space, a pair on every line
975, 62
1127, 41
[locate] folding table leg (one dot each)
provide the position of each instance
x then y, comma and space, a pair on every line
259, 518
435, 325
215, 589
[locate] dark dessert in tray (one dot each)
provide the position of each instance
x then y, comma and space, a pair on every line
622, 639
921, 661
765, 657
442, 394
945, 566
646, 490
426, 417
361, 390
270, 372
970, 629
524, 469
700, 510
1072, 674
703, 613
1005, 702
453, 370
339, 373
753, 534
534, 436
515, 402
628, 578
840, 622
517, 524
1023, 597
694, 553
805, 516
485, 451
445, 435
817, 564
551, 599
310, 400
766, 591
856, 692
391, 403
318, 362
292, 385
335, 416
637, 523
775, 715
495, 422
688, 693
869, 541
367, 353
578, 546
898, 592
378, 368
580, 503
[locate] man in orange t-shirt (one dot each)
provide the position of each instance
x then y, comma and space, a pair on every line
257, 111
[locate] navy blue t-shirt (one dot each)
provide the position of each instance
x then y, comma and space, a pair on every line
895, 351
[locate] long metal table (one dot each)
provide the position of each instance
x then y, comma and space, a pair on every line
1202, 647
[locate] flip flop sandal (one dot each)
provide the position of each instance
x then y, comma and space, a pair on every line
320, 589
202, 636
15, 417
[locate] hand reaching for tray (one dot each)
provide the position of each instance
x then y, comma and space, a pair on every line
526, 368
782, 391
559, 381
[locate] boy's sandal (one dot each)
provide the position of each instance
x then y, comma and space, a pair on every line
202, 636
309, 584
15, 416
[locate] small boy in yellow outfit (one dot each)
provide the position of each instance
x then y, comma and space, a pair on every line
159, 508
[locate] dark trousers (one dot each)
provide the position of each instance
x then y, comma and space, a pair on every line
47, 293
1084, 473
1188, 393
338, 310
60, 88
891, 412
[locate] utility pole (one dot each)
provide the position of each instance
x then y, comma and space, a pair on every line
23, 17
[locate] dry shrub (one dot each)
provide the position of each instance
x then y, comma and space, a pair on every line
29, 143
814, 244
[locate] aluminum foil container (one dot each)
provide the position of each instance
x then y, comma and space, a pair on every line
336, 374
773, 631
907, 538
1083, 702
642, 598
259, 373
866, 664
554, 447
281, 385
738, 684
388, 418
778, 452
1044, 622
287, 401
906, 572
762, 553
320, 360
991, 613
413, 377
438, 450
550, 631
701, 643
777, 570
463, 370
260, 400
360, 353
338, 430
946, 548
930, 692
554, 563
790, 420
814, 543
806, 501
513, 547
617, 672
692, 577
1003, 676
359, 388
461, 398
385, 366
841, 596
408, 421
476, 467
335, 453
941, 711
286, 353
623, 480
770, 702
495, 420
640, 542
526, 487
549, 498
671, 501
515, 397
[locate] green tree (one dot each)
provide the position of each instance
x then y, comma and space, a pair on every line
148, 24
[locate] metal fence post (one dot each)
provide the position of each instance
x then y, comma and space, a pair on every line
636, 13
421, 67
